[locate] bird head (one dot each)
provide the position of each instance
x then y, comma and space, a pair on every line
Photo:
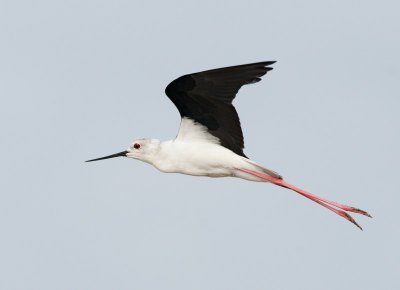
142, 149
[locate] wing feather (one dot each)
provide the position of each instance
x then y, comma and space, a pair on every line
206, 98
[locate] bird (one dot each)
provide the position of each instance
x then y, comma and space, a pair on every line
210, 138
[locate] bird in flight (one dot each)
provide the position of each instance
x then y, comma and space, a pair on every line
210, 139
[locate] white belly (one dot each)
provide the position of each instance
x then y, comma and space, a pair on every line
204, 159
197, 158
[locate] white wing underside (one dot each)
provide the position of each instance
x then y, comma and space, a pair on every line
190, 131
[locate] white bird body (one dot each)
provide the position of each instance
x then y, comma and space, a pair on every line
196, 158
194, 152
210, 139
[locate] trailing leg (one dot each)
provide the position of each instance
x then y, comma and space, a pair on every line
320, 200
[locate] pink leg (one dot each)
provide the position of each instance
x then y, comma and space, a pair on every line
337, 211
322, 201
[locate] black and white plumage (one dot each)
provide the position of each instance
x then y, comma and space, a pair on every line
210, 139
206, 98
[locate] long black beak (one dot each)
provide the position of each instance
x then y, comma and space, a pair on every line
123, 153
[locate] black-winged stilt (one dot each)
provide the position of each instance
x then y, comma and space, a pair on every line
210, 139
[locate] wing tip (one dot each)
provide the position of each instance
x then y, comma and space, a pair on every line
186, 82
267, 63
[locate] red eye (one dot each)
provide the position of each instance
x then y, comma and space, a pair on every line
136, 145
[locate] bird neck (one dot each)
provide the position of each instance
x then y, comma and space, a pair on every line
164, 156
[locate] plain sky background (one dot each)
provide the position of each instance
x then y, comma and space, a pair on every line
82, 79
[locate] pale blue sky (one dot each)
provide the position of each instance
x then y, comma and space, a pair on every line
82, 79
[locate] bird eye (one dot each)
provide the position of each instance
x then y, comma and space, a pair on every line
136, 145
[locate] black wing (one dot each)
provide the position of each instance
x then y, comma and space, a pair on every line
206, 97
